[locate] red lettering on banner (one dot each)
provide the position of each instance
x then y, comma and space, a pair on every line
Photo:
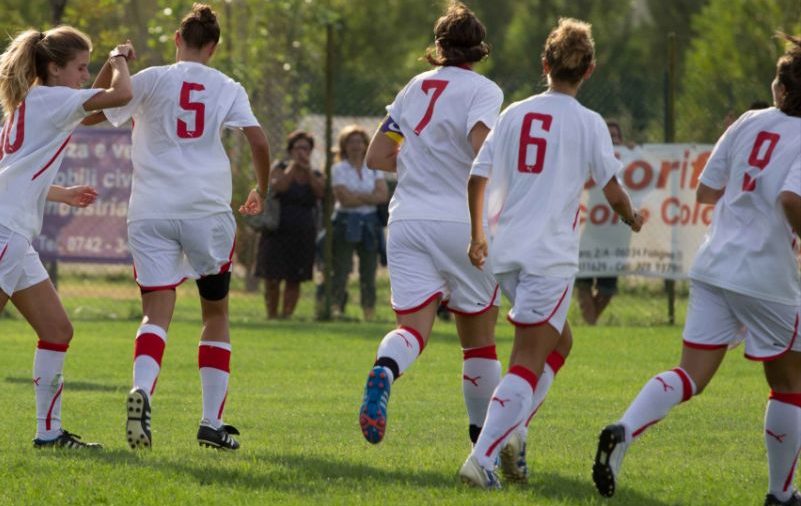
674, 212
664, 173
638, 175
698, 167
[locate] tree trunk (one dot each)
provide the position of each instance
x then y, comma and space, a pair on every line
57, 11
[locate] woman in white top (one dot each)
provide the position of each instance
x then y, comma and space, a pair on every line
180, 223
537, 159
434, 128
41, 75
357, 190
745, 285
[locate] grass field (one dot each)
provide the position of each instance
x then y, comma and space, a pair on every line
294, 394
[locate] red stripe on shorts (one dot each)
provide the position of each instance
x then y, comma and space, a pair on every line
480, 311
421, 306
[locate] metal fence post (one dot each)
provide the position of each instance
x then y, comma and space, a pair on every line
670, 136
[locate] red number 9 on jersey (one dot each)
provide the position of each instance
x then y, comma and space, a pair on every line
199, 108
526, 140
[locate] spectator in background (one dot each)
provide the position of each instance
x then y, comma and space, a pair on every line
595, 294
357, 190
287, 254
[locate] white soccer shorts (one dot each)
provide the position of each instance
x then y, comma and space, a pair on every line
537, 300
20, 266
716, 318
167, 252
427, 260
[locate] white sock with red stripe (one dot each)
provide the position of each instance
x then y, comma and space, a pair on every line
398, 350
656, 399
783, 441
214, 360
553, 363
481, 373
148, 352
48, 365
507, 409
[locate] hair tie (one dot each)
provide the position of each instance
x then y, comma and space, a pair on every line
41, 36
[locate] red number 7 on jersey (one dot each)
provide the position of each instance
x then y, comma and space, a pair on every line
438, 86
199, 108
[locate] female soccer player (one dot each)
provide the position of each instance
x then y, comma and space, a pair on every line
180, 223
537, 159
744, 275
41, 74
433, 130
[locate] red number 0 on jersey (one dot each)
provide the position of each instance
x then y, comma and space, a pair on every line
6, 148
526, 139
438, 86
199, 108
749, 183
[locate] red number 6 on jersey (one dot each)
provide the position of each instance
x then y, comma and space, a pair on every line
526, 139
199, 108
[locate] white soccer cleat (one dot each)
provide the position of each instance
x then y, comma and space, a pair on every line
513, 459
612, 448
473, 474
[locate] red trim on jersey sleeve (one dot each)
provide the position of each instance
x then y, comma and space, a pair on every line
48, 164
487, 352
789, 346
419, 307
480, 311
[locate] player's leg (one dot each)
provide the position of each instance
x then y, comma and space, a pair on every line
272, 294
711, 326
416, 290
40, 306
607, 288
368, 264
586, 300
291, 296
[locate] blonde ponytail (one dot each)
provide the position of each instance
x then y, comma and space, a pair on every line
18, 70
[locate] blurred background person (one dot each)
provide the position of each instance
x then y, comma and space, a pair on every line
595, 293
287, 254
357, 190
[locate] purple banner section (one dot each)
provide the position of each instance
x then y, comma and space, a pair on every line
100, 158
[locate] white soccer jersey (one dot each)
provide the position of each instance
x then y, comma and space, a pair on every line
435, 112
748, 248
31, 150
181, 169
537, 159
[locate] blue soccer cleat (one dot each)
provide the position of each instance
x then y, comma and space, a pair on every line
373, 413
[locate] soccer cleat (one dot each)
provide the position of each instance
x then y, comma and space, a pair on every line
65, 440
612, 447
473, 474
373, 413
513, 459
137, 428
794, 500
218, 438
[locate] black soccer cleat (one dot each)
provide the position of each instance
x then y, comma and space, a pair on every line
794, 500
137, 429
219, 439
612, 447
65, 440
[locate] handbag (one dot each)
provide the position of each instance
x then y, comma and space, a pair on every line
270, 217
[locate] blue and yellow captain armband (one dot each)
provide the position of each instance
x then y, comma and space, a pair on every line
391, 129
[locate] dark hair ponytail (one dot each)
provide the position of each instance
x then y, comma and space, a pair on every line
788, 72
459, 38
200, 27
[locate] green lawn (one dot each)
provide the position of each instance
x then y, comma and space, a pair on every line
295, 392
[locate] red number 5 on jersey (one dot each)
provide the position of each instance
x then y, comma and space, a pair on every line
754, 160
199, 108
526, 139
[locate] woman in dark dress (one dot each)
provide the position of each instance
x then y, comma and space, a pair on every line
287, 254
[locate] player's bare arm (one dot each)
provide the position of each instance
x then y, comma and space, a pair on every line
260, 153
477, 135
707, 195
791, 202
75, 196
619, 199
382, 153
478, 249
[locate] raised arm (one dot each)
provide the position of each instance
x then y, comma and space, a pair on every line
118, 92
